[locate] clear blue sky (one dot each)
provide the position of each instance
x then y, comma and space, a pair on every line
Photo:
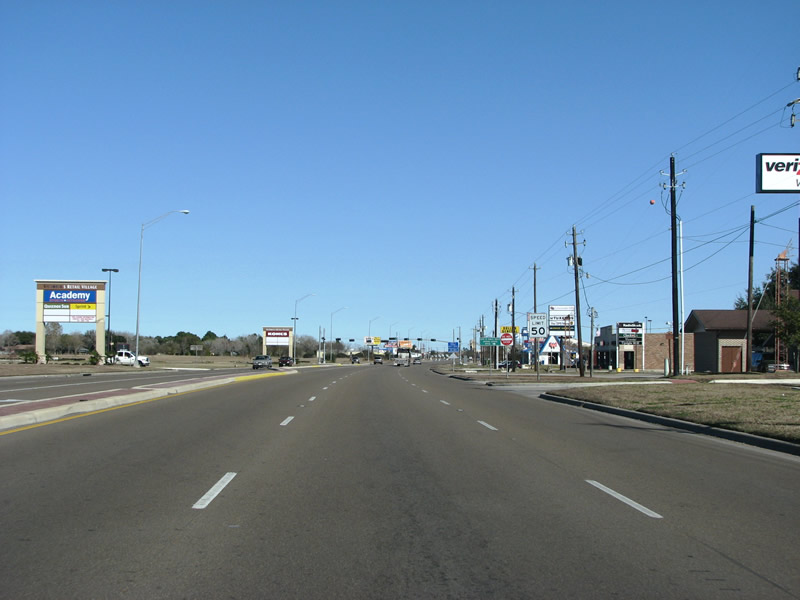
406, 160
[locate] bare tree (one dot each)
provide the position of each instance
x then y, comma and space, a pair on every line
52, 333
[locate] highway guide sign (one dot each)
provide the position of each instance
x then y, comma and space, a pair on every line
490, 341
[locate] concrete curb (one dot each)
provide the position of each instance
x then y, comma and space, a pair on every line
71, 409
727, 434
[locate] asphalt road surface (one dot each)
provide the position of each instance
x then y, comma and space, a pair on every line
384, 482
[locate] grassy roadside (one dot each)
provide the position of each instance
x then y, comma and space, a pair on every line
770, 410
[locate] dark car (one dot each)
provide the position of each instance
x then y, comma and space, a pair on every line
262, 362
285, 361
508, 364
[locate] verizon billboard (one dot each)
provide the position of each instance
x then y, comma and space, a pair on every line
778, 173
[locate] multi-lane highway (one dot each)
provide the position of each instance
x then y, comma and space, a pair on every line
384, 482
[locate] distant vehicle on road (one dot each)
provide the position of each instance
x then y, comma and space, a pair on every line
417, 361
126, 357
378, 360
403, 358
262, 362
355, 360
285, 361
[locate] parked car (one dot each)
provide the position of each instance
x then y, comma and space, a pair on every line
508, 364
262, 362
126, 357
378, 360
355, 360
285, 361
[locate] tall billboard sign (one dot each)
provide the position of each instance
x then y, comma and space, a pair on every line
629, 334
778, 173
561, 320
277, 336
70, 301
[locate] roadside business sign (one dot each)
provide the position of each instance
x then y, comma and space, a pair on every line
277, 336
778, 173
70, 302
372, 341
507, 329
629, 333
551, 346
490, 341
561, 319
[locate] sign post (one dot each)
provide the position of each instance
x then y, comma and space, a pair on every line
538, 327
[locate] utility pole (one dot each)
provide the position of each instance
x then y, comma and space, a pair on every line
749, 361
513, 332
534, 340
593, 315
677, 326
581, 364
496, 349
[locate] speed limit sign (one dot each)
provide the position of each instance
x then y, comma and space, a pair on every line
538, 325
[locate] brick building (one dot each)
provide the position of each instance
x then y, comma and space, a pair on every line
649, 356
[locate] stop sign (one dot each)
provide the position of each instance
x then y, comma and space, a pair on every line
506, 339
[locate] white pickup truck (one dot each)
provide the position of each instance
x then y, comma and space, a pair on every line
126, 357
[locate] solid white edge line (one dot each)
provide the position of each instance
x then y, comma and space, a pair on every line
214, 491
487, 425
628, 501
286, 421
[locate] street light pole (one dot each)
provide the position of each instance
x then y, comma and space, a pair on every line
139, 286
294, 337
331, 334
108, 302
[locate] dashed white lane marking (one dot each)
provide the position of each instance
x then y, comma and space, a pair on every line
286, 421
325, 388
424, 391
628, 501
445, 402
485, 424
312, 398
214, 491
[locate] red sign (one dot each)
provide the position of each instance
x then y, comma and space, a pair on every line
506, 339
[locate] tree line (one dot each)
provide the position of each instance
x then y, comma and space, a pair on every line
57, 342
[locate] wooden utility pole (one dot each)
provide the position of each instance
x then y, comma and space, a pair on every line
749, 361
513, 332
581, 364
676, 325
